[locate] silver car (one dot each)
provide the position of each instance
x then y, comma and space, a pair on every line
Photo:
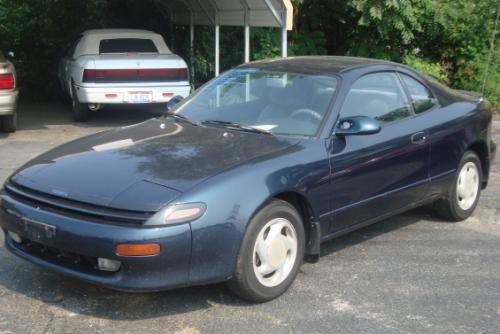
8, 95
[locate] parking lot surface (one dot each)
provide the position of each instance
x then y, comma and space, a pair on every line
413, 273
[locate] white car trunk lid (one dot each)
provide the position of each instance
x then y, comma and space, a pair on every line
135, 68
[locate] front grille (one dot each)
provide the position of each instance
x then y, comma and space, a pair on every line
75, 209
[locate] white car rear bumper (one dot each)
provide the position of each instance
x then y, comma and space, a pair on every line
8, 101
126, 95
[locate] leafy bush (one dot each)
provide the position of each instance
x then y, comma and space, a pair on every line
427, 67
477, 75
452, 36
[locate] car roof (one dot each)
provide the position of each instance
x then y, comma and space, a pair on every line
317, 64
89, 44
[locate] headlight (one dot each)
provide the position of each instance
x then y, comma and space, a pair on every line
177, 213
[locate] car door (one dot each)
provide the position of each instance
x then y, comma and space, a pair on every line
377, 174
446, 132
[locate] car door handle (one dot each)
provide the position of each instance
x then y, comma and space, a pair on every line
419, 138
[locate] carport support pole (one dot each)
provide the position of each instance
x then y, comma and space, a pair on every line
191, 42
247, 43
217, 51
284, 41
281, 19
247, 30
217, 55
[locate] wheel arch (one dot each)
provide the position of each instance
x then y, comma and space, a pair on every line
310, 220
481, 149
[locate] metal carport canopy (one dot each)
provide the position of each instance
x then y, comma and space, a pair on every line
244, 13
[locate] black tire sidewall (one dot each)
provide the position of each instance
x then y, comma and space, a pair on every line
255, 290
457, 211
9, 122
80, 110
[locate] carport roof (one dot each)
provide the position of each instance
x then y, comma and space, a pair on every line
244, 13
261, 13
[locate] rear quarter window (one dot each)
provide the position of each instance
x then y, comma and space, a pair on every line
126, 45
422, 98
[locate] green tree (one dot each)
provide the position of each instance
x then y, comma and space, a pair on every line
447, 38
387, 28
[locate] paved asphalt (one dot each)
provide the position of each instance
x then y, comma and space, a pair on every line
410, 274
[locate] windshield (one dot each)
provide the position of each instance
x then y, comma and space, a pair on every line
277, 102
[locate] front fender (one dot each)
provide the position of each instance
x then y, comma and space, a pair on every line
235, 196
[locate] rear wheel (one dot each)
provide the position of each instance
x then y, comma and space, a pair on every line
80, 110
9, 122
464, 192
271, 253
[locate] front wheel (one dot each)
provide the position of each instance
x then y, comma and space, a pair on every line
271, 253
463, 194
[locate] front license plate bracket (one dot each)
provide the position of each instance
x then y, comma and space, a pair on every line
37, 230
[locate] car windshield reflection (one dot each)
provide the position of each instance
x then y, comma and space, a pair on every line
279, 103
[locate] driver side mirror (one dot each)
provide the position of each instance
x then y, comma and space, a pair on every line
357, 125
173, 102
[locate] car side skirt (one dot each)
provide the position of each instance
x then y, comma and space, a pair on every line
377, 219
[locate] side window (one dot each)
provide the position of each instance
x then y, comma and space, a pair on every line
379, 96
422, 98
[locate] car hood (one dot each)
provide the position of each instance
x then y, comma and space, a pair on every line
144, 166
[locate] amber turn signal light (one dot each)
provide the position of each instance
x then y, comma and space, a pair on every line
137, 249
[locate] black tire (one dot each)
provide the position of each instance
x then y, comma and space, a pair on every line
448, 207
80, 110
9, 122
65, 96
244, 282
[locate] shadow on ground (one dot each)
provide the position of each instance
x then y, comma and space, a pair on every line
29, 114
87, 299
382, 227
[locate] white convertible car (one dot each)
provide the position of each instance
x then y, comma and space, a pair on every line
121, 66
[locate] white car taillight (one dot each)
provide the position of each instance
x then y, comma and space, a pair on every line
135, 75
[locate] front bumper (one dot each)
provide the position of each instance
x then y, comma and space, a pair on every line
123, 95
80, 239
8, 102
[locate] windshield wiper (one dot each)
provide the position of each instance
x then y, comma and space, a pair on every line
179, 118
235, 126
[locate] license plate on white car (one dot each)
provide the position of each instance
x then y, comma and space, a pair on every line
140, 97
